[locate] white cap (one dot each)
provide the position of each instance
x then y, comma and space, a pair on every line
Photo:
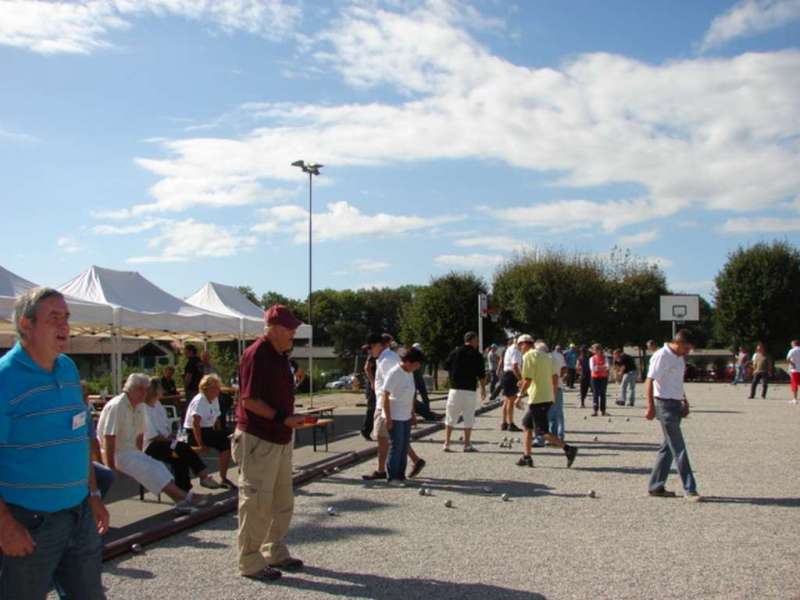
417, 345
524, 338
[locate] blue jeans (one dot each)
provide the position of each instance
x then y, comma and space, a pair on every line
670, 413
599, 387
399, 441
628, 385
738, 376
555, 416
68, 552
104, 478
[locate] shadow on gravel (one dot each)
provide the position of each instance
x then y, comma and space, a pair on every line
626, 470
787, 502
720, 412
358, 585
130, 573
621, 446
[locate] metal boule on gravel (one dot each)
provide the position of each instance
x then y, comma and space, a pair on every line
137, 548
592, 494
585, 418
428, 492
504, 497
332, 511
448, 504
595, 438
421, 491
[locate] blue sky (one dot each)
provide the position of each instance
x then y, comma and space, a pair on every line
157, 135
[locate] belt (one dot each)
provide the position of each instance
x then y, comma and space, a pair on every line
669, 399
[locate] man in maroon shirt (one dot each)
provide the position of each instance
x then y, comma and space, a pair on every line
262, 447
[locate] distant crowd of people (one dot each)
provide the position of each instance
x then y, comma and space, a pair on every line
55, 466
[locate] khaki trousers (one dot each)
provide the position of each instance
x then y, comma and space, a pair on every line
266, 500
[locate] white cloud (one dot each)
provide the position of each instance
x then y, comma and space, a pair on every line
83, 26
17, 136
69, 244
342, 221
127, 229
366, 265
750, 17
761, 225
496, 243
659, 261
187, 240
638, 239
469, 261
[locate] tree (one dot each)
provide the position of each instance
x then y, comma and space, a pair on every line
552, 295
249, 293
441, 313
757, 295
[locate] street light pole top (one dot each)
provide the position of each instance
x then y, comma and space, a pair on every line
311, 168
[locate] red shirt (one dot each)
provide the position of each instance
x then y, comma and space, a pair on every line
265, 375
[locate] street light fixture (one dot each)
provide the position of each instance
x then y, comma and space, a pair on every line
312, 169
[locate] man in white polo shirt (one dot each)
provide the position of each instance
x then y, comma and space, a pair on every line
666, 401
512, 365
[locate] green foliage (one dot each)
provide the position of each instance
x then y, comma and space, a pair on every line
247, 291
441, 313
757, 296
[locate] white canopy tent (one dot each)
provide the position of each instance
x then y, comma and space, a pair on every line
228, 300
142, 309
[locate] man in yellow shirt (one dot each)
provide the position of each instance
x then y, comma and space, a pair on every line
540, 381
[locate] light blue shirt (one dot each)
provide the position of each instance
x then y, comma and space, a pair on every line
44, 433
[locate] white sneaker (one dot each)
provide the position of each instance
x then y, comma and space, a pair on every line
446, 448
792, 401
185, 507
209, 483
197, 501
397, 483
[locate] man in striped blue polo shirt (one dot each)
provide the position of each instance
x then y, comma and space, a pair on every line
51, 514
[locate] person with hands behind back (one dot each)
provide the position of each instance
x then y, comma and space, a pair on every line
666, 401
262, 447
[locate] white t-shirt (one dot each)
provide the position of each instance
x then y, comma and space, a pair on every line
558, 364
400, 386
156, 422
512, 357
667, 370
123, 421
742, 358
207, 411
386, 362
794, 356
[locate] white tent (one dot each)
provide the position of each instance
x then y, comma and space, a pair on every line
85, 317
228, 300
141, 308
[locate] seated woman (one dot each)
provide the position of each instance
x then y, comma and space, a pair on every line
168, 386
160, 443
204, 427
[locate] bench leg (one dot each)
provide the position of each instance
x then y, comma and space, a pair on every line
314, 437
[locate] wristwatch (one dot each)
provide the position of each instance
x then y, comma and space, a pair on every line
95, 494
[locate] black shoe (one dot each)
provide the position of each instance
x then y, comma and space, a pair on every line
374, 475
504, 427
512, 427
227, 483
418, 466
525, 461
291, 565
619, 403
571, 452
266, 574
661, 493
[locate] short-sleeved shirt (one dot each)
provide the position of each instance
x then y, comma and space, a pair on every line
742, 358
586, 369
169, 387
44, 433
207, 411
760, 363
265, 375
492, 360
387, 360
400, 385
667, 371
599, 366
194, 367
122, 420
513, 356
794, 356
156, 422
558, 364
465, 365
571, 357
538, 367
626, 362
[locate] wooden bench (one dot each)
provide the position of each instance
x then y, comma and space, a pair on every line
321, 424
325, 411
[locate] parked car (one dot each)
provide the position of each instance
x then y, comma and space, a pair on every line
343, 383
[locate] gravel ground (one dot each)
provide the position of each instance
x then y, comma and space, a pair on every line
549, 540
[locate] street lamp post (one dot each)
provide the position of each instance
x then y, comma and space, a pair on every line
312, 169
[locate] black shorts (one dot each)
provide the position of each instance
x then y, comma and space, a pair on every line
509, 383
212, 438
536, 417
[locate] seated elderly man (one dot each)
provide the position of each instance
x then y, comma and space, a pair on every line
120, 431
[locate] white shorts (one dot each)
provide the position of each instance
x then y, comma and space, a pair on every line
148, 471
461, 403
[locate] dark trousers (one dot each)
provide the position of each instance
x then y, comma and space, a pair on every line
762, 377
369, 416
571, 374
182, 460
424, 411
420, 388
599, 387
585, 383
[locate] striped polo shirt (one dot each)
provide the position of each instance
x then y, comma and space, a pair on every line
44, 436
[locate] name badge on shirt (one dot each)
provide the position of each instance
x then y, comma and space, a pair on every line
78, 421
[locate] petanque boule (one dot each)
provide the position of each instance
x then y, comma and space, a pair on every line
428, 492
448, 504
592, 494
137, 548
627, 419
504, 497
422, 491
332, 511
596, 438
